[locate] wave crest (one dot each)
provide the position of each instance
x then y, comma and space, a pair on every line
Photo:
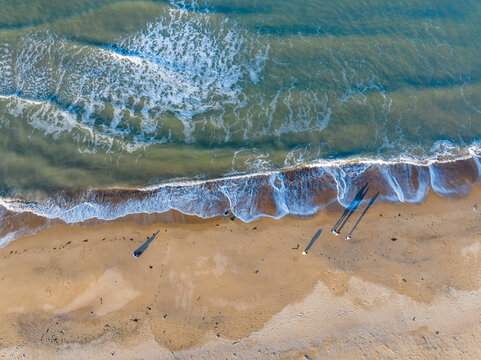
299, 192
140, 90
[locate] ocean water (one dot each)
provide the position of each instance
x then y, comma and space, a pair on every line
264, 108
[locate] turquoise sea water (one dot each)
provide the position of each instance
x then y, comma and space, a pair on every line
96, 95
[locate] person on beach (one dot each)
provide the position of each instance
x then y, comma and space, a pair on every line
373, 199
336, 230
145, 245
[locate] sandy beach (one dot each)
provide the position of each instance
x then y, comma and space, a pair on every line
407, 285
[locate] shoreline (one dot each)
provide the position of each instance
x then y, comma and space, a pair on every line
218, 287
299, 192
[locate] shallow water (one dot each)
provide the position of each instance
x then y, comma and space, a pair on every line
101, 94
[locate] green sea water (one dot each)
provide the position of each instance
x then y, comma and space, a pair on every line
97, 94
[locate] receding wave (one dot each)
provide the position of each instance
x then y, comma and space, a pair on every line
300, 191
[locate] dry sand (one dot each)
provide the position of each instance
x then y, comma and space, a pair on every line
406, 286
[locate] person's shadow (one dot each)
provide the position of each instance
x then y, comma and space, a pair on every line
145, 245
314, 238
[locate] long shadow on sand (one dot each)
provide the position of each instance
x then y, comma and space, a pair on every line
350, 210
314, 238
145, 245
348, 237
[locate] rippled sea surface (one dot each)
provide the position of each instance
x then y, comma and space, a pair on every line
96, 95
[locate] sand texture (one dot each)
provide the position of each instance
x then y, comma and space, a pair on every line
406, 286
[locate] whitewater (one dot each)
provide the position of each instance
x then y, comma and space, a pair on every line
259, 110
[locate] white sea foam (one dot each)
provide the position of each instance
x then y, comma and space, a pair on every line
269, 194
183, 64
192, 5
404, 181
9, 237
205, 72
6, 73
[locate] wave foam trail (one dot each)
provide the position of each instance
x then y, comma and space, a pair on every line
184, 64
446, 181
300, 192
6, 78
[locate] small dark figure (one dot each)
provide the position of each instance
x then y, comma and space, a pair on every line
145, 245
336, 229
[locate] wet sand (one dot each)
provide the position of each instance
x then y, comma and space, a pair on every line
407, 284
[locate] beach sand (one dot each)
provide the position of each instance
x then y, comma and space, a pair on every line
407, 285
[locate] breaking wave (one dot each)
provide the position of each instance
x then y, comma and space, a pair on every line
300, 192
197, 81
136, 91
